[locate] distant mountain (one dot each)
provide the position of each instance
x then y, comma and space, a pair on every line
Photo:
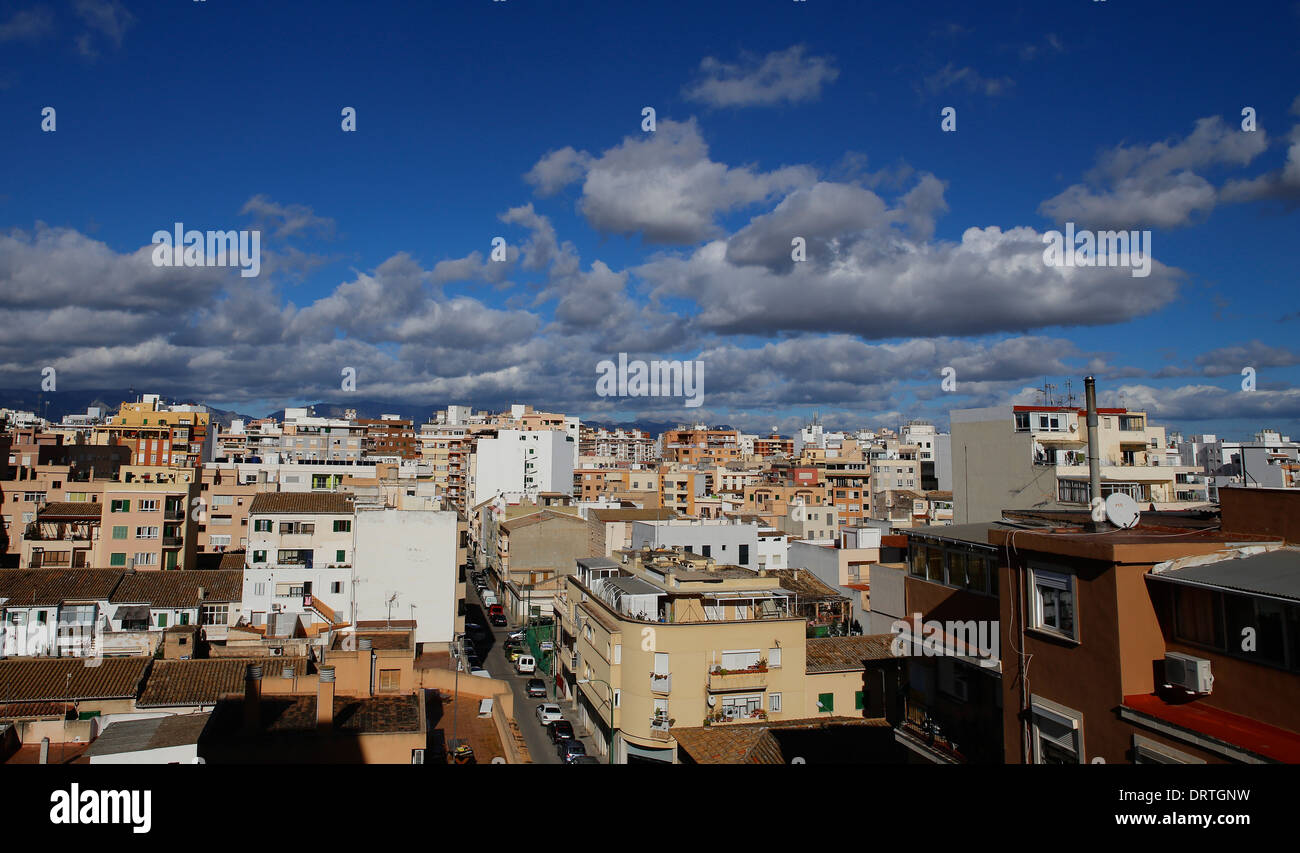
53, 405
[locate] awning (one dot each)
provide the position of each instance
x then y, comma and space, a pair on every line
132, 612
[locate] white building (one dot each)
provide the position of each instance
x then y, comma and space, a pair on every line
524, 461
726, 541
300, 552
406, 569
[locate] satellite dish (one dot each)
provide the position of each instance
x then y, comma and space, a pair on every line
1122, 511
713, 700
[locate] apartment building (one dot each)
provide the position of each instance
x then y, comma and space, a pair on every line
699, 444
773, 445
651, 642
772, 500
222, 518
679, 488
522, 461
406, 566
619, 444
728, 541
161, 435
307, 438
301, 548
1036, 457
389, 437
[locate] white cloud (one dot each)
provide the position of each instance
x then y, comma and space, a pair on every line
784, 76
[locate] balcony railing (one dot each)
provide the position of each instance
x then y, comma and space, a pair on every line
661, 682
659, 728
737, 679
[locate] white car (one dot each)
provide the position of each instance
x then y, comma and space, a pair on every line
480, 672
526, 665
548, 712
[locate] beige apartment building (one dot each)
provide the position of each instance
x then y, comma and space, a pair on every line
656, 640
1036, 457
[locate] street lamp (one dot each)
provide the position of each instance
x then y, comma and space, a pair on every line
609, 738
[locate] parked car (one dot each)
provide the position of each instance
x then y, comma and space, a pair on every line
526, 665
584, 759
475, 628
570, 749
560, 729
516, 635
536, 688
498, 619
489, 598
513, 654
548, 713
480, 672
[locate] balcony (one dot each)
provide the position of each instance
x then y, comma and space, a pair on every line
173, 541
726, 680
661, 682
659, 728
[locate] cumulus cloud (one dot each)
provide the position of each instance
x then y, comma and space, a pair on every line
663, 186
557, 169
881, 285
784, 76
1156, 185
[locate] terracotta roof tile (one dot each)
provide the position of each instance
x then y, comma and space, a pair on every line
846, 654
300, 503
74, 509
180, 589
205, 682
38, 587
71, 679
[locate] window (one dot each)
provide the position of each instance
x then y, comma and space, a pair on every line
618, 698
146, 559
342, 526
774, 657
774, 702
1147, 751
259, 588
857, 700
389, 680
1022, 421
221, 541
825, 703
146, 533
119, 506
1053, 602
117, 559
262, 525
259, 556
214, 614
162, 620
1056, 732
148, 505
706, 550
739, 707
119, 531
340, 556
744, 554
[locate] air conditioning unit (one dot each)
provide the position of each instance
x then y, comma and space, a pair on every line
275, 652
1188, 672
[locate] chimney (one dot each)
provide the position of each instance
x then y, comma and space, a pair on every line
325, 700
253, 697
45, 751
1094, 462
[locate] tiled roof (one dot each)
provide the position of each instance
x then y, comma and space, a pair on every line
299, 503
846, 654
157, 733
47, 679
74, 509
804, 582
538, 518
51, 587
180, 589
752, 743
295, 715
204, 682
233, 559
32, 710
653, 514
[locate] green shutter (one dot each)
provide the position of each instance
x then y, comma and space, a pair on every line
162, 620
857, 701
340, 556
825, 702
119, 531
117, 559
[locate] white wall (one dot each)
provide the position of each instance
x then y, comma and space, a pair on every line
723, 539
411, 553
501, 463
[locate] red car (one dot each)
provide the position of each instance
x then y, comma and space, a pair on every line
497, 615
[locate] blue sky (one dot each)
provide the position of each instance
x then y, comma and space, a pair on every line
774, 119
